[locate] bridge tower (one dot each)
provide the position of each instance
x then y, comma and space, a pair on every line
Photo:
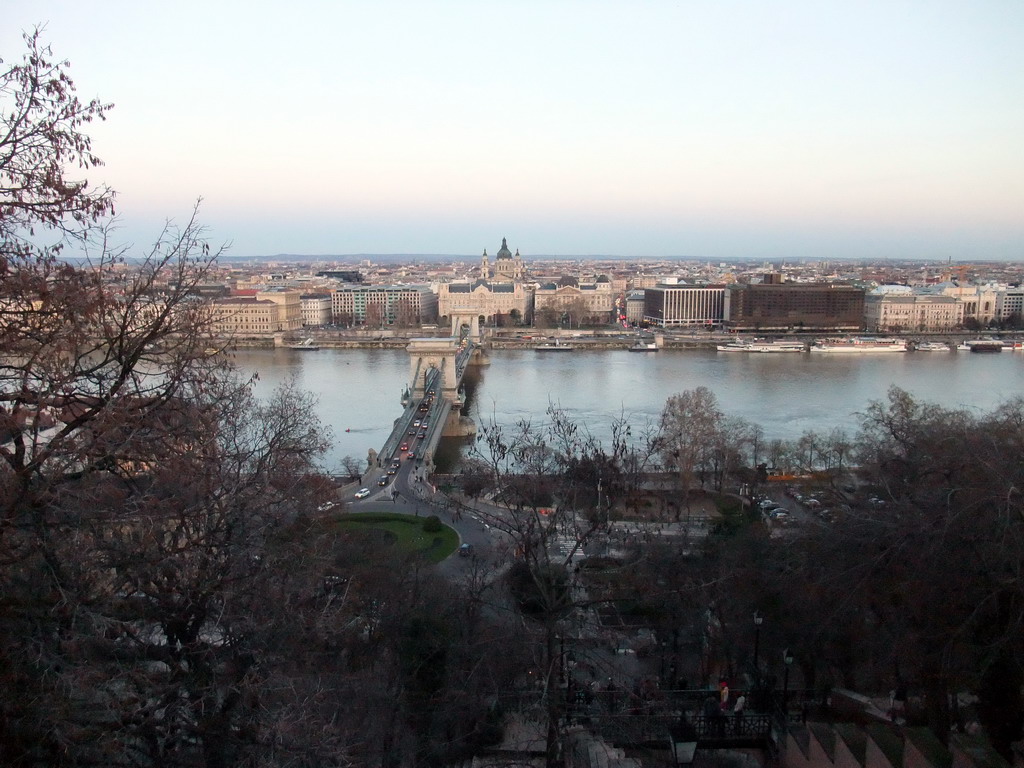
470, 319
448, 357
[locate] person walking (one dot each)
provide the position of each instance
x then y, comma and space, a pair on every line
738, 712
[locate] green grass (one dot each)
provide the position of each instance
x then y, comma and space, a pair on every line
407, 533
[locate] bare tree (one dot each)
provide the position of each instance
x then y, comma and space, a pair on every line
690, 424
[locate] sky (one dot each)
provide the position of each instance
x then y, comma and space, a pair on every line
704, 128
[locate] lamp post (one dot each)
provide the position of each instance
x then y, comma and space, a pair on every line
683, 742
758, 618
787, 659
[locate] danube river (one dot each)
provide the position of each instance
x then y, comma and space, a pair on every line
787, 394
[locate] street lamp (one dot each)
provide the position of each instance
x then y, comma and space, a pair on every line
758, 618
683, 742
787, 658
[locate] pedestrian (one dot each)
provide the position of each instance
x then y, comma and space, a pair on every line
737, 713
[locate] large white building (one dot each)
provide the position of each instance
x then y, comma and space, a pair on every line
891, 311
669, 306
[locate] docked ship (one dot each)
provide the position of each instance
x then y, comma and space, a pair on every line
644, 346
307, 344
932, 346
558, 346
760, 345
859, 344
981, 345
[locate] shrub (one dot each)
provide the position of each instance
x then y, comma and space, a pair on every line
432, 524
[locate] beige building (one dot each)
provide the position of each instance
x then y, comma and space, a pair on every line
266, 313
979, 300
912, 312
485, 299
596, 299
316, 309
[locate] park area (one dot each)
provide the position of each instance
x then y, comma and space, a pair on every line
426, 536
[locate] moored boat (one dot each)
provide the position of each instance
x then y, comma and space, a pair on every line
642, 346
858, 344
558, 346
981, 345
760, 345
932, 346
307, 344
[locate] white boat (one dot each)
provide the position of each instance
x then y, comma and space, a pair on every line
858, 345
932, 346
642, 346
558, 346
760, 345
305, 344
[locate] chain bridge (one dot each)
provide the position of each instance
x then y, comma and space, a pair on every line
433, 400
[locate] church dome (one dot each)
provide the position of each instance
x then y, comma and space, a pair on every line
503, 252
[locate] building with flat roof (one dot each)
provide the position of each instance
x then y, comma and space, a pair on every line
377, 306
888, 312
262, 314
794, 307
674, 306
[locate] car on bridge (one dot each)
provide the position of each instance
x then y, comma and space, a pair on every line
362, 493
410, 455
404, 447
423, 433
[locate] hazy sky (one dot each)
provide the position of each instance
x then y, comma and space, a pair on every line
807, 128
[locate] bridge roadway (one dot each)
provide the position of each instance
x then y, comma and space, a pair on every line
422, 423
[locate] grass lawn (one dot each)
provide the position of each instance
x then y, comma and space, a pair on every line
406, 533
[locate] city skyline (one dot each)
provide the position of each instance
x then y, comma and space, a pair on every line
696, 130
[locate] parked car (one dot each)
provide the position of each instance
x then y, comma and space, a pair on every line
465, 550
325, 506
362, 493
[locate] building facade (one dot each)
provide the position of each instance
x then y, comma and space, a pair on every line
491, 301
378, 306
265, 313
316, 309
673, 306
884, 313
794, 307
1010, 305
594, 301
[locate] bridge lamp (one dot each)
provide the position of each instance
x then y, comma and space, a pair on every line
683, 743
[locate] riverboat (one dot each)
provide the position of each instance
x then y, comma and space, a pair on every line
558, 346
306, 344
858, 344
932, 346
981, 345
642, 346
758, 345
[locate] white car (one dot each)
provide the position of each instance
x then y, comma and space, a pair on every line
325, 506
362, 493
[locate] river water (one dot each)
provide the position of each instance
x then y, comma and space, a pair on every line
787, 394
